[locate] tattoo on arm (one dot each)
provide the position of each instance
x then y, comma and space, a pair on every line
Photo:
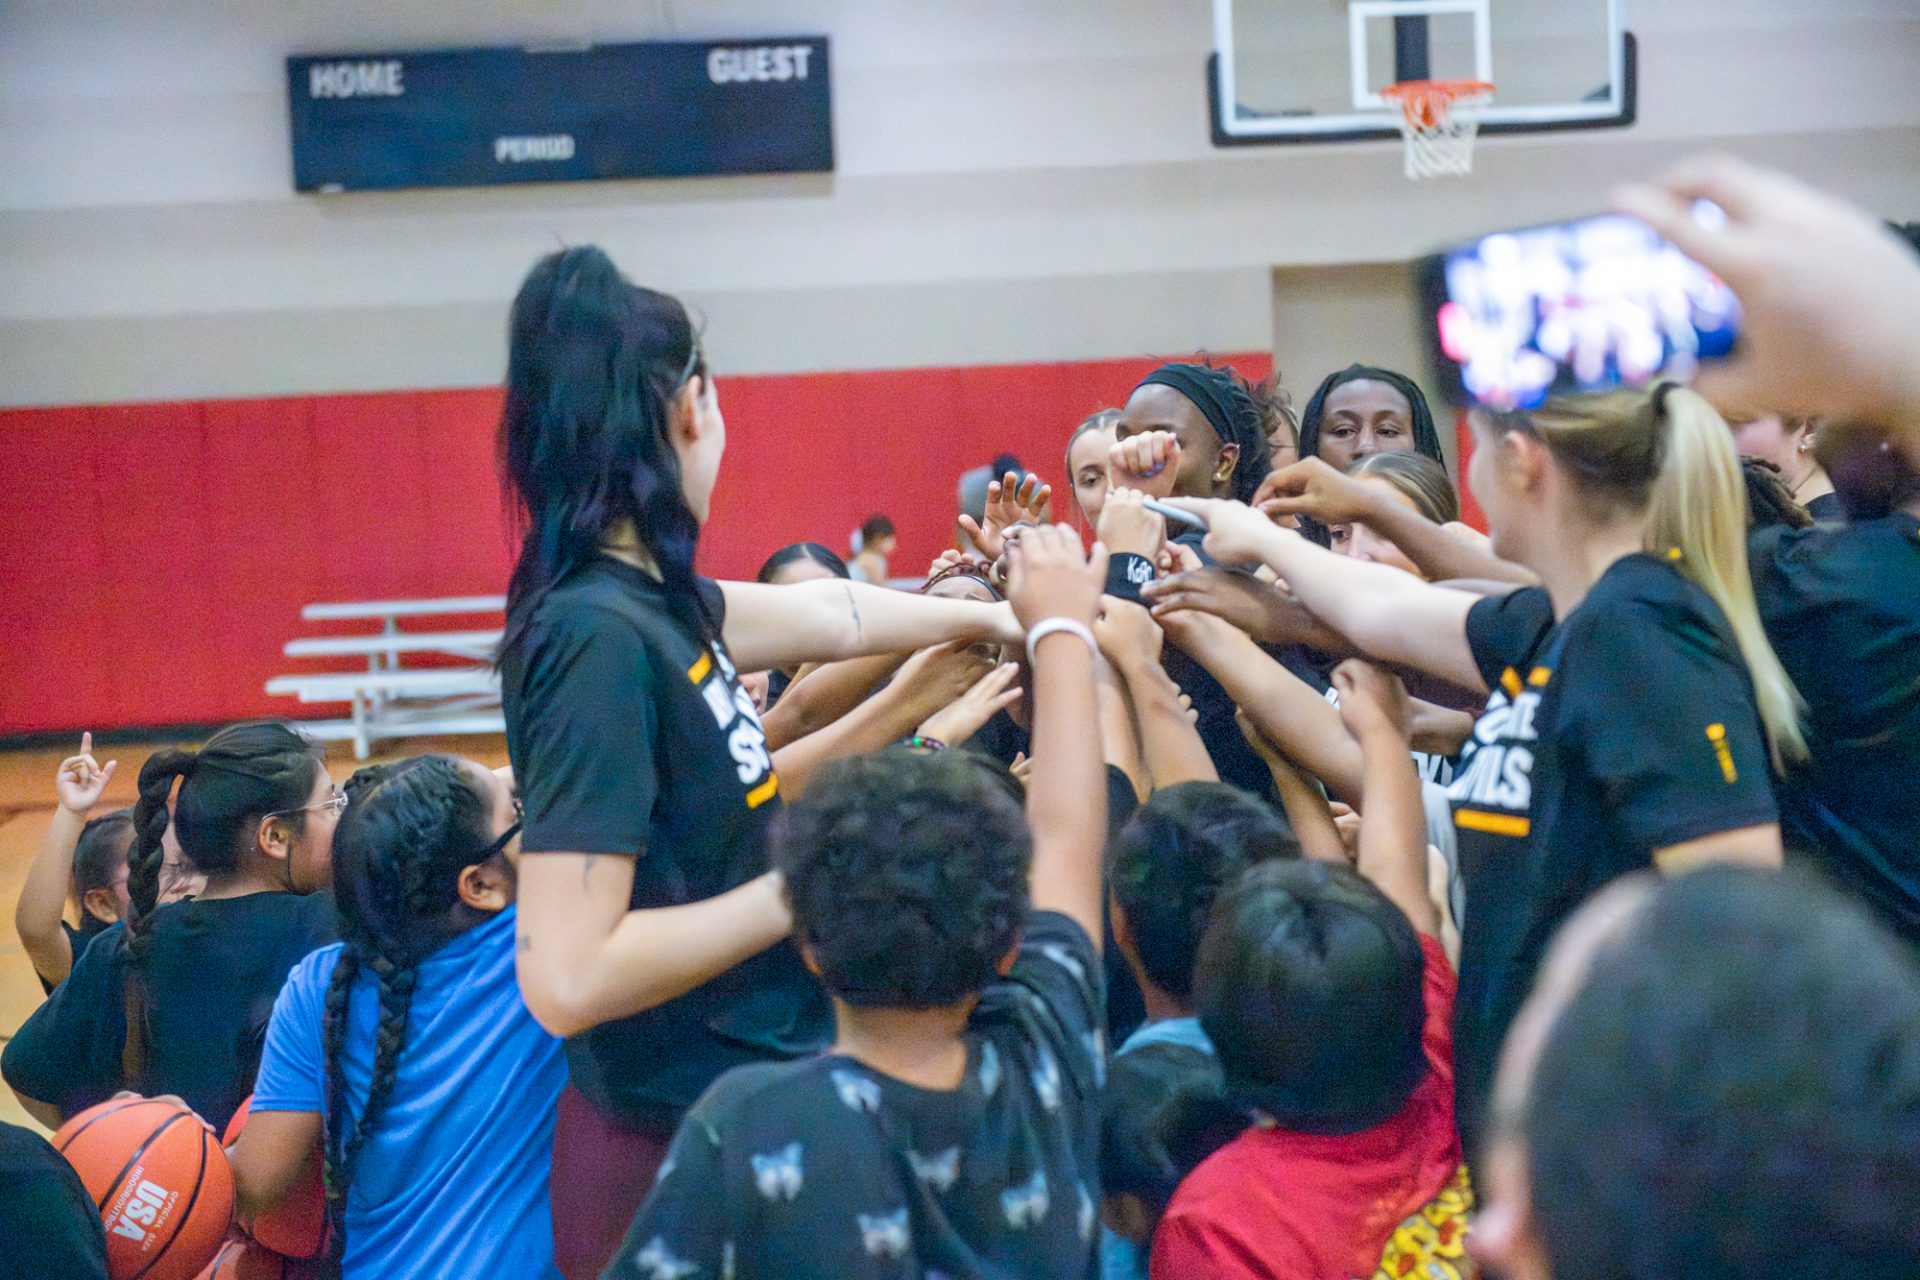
859, 633
524, 943
586, 872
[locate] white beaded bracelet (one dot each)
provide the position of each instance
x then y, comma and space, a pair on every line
1047, 626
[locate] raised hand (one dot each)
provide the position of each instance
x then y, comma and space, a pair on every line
1128, 635
1236, 533
1050, 576
960, 719
1010, 501
1149, 462
81, 779
1373, 702
936, 676
1128, 528
1312, 488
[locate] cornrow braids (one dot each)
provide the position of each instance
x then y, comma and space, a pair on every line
407, 833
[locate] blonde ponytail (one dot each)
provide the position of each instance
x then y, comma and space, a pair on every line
1699, 506
1665, 452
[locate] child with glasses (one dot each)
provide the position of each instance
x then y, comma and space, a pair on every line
405, 1053
175, 998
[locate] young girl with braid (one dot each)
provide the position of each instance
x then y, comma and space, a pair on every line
405, 1052
175, 999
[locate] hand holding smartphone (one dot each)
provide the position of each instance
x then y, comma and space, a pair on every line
1515, 317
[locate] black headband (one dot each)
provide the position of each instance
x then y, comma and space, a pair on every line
1214, 392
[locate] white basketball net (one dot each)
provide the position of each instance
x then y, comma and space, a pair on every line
1439, 126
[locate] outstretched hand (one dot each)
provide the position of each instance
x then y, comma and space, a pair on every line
960, 719
1128, 635
1373, 702
1010, 501
1128, 528
1236, 533
1049, 576
1312, 488
82, 780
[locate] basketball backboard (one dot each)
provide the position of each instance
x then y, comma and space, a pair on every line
1312, 70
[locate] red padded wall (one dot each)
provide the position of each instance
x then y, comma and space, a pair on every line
154, 558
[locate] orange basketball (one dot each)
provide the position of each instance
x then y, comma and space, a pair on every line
161, 1181
298, 1228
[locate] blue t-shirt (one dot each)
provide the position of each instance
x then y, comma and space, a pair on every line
454, 1179
1121, 1258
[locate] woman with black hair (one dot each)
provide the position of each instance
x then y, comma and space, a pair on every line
175, 1000
651, 932
1364, 410
801, 562
1195, 431
405, 1052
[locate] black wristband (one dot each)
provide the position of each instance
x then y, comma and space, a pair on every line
1126, 574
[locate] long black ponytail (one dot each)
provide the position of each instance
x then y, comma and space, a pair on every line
593, 365
398, 852
243, 773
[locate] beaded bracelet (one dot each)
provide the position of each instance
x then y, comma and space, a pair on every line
918, 743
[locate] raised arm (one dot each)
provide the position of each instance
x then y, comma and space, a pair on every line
1306, 808
820, 695
1051, 580
79, 783
1173, 751
1290, 714
1393, 826
931, 680
828, 620
1312, 488
1386, 613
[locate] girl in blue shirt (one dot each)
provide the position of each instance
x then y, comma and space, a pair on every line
405, 1053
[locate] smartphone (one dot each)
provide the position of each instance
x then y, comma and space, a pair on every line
1173, 513
1590, 305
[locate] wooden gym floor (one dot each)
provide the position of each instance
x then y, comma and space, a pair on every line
26, 805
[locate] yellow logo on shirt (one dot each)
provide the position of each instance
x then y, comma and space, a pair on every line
1717, 735
733, 711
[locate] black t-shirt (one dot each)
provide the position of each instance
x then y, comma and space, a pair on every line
77, 940
1126, 1006
1233, 757
631, 736
1828, 509
1842, 608
826, 1168
1628, 727
213, 970
49, 1223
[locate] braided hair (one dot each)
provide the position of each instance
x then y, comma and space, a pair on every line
408, 831
243, 773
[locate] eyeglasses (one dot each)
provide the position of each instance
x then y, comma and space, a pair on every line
500, 844
335, 804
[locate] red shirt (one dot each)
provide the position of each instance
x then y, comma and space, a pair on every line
1274, 1203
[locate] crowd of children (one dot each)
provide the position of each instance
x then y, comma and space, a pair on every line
1285, 881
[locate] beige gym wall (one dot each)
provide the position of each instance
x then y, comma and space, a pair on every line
1018, 180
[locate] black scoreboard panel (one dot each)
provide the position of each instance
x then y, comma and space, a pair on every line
476, 117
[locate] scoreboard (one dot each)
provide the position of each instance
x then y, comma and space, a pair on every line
478, 117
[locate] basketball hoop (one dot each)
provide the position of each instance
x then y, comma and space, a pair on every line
1439, 120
